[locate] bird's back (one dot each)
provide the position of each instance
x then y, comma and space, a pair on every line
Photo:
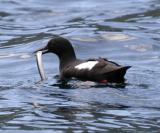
96, 70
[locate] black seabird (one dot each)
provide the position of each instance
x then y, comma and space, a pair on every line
98, 70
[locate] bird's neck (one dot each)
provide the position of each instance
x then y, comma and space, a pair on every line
66, 58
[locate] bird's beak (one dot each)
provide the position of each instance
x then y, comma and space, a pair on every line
44, 50
39, 61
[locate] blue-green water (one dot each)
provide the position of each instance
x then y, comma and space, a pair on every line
125, 31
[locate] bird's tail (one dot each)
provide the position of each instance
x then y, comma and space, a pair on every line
117, 75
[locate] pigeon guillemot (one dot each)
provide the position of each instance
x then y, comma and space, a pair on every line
98, 70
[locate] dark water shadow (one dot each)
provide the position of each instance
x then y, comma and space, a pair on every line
75, 84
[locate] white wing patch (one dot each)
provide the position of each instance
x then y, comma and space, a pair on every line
86, 65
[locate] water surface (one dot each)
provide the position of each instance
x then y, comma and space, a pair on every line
125, 31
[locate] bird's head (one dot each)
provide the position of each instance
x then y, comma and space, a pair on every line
58, 46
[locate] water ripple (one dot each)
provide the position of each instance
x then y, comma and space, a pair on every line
123, 31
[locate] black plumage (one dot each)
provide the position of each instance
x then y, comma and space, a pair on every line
103, 70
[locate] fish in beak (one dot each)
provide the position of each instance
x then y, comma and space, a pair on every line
39, 61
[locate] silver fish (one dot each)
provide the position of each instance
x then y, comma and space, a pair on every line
40, 65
